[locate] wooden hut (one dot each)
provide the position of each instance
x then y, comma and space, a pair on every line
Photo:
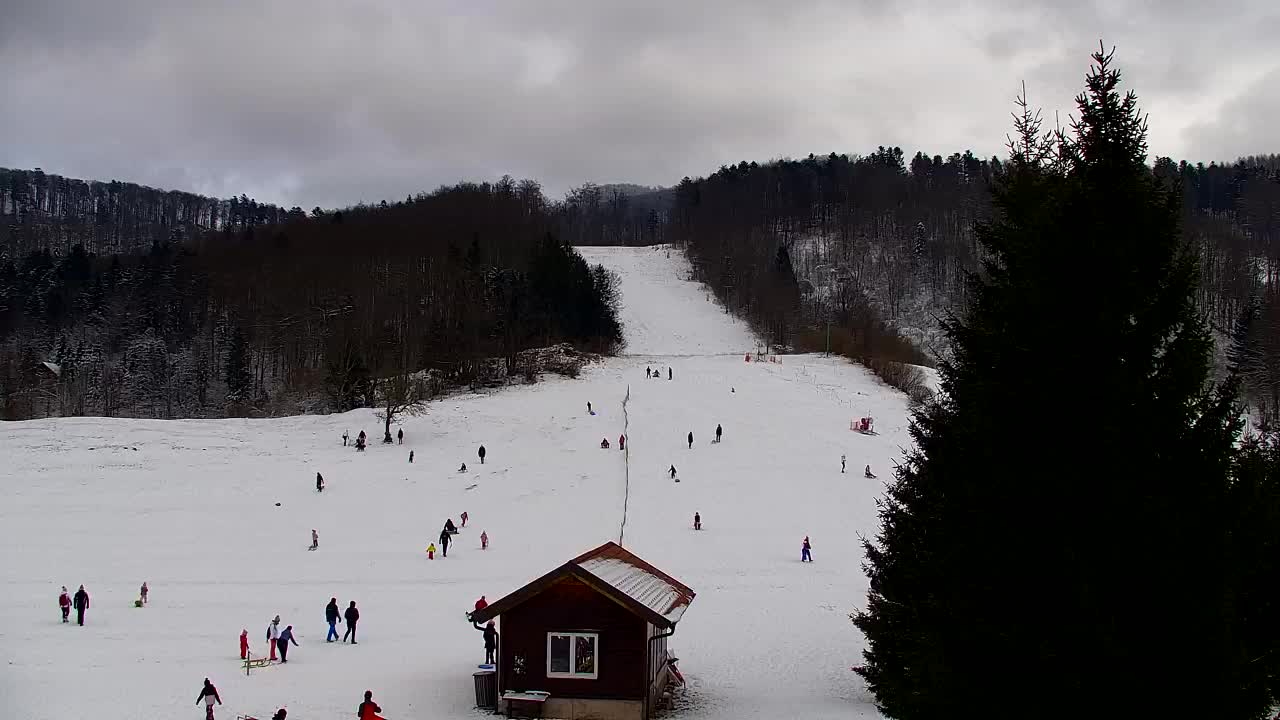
589, 636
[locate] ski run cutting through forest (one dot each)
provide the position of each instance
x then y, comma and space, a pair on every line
216, 516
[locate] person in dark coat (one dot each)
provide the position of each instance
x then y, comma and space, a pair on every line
481, 454
690, 439
319, 482
463, 468
868, 474
410, 457
400, 436
490, 642
281, 714
449, 527
208, 695
331, 616
345, 438
81, 603
445, 538
622, 442
283, 641
673, 472
353, 616
669, 375
719, 431
697, 521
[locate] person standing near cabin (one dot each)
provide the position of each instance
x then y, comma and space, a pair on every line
64, 602
400, 436
81, 604
283, 641
331, 616
319, 482
806, 551
273, 634
353, 616
208, 695
490, 642
480, 452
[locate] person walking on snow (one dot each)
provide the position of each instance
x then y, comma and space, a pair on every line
283, 641
273, 634
697, 521
315, 539
480, 452
400, 436
490, 642
805, 551
368, 709
244, 644
464, 518
319, 482
842, 463
669, 375
143, 592
332, 617
690, 439
449, 527
647, 373
484, 540
622, 442
64, 602
445, 539
81, 604
208, 695
589, 410
431, 551
345, 438
719, 431
353, 616
868, 474
410, 457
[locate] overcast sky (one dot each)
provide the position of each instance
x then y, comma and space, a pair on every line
317, 102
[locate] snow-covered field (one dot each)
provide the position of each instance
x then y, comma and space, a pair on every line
191, 507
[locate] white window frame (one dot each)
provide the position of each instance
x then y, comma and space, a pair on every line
573, 660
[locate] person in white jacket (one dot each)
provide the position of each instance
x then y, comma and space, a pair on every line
273, 633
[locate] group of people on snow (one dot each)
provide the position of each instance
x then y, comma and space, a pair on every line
368, 710
351, 615
80, 601
649, 373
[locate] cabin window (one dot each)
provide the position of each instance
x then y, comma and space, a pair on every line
572, 655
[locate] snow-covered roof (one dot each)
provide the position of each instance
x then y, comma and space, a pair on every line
638, 580
618, 573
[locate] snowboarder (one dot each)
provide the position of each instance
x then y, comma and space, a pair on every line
463, 468
449, 527
208, 695
805, 549
81, 604
669, 375
331, 616
484, 540
143, 592
464, 518
400, 436
868, 474
431, 551
368, 709
481, 604
283, 641
315, 540
445, 539
410, 457
697, 521
842, 463
64, 602
352, 616
319, 482
673, 472
345, 438
480, 452
719, 431
690, 439
273, 634
244, 644
490, 642
604, 443
622, 442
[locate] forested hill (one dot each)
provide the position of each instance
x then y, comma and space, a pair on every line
41, 211
361, 307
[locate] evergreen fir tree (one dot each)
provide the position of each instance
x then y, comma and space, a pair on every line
1056, 543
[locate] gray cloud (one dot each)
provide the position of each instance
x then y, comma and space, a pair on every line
322, 102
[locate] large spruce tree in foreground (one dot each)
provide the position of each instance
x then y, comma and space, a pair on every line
1059, 543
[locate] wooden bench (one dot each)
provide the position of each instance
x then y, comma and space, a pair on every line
530, 699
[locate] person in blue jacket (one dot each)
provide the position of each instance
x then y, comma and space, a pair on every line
283, 641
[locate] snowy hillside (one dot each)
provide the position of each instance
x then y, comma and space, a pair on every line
191, 507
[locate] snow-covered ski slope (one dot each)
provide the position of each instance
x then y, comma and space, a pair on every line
190, 507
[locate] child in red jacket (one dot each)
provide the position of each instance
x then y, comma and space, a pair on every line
64, 602
244, 644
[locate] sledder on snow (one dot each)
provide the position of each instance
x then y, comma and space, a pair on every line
865, 425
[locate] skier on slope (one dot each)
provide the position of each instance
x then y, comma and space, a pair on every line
81, 603
319, 482
332, 617
353, 616
490, 642
64, 602
208, 694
